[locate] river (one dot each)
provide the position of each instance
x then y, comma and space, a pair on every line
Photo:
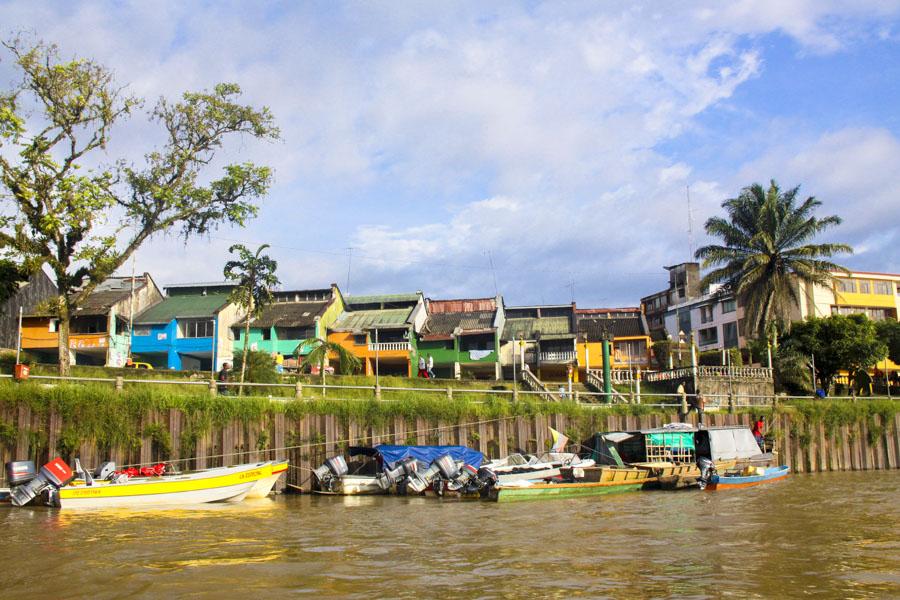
831, 535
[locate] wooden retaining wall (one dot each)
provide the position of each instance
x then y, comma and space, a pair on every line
309, 440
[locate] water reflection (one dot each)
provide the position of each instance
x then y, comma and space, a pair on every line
832, 534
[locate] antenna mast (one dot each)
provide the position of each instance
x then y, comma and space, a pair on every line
349, 263
493, 272
690, 226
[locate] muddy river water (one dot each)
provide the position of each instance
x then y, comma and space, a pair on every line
829, 535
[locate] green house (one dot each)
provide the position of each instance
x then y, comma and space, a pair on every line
463, 337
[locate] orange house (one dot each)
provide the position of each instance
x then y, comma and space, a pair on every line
380, 330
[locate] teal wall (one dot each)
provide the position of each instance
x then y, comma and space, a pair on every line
285, 347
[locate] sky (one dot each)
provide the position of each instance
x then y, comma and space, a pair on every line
544, 151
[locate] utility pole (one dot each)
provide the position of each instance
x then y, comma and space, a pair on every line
690, 226
131, 313
19, 337
349, 264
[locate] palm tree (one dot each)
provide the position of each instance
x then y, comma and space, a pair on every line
765, 251
321, 349
255, 277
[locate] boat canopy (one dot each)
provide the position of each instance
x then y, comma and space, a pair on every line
732, 443
426, 454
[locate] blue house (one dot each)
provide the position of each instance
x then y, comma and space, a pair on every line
189, 330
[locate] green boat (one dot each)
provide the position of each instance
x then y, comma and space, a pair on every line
590, 481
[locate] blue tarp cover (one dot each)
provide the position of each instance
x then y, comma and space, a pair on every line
427, 454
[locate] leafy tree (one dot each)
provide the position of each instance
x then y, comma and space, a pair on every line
10, 277
321, 350
260, 367
85, 221
765, 251
838, 343
255, 277
889, 333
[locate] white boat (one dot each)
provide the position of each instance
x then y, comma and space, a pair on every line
517, 467
263, 487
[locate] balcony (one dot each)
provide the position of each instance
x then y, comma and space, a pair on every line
558, 356
390, 347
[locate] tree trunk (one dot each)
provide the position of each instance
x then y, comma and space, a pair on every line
246, 346
62, 337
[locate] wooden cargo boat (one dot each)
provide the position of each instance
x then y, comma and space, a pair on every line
590, 481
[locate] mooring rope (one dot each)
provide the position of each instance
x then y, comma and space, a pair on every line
323, 443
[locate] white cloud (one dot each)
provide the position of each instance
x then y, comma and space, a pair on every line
427, 136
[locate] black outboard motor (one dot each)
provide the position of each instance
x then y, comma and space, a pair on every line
331, 472
26, 485
707, 470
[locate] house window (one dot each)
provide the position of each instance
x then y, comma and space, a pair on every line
360, 339
295, 333
142, 331
846, 285
882, 288
729, 306
267, 334
54, 323
706, 313
730, 334
684, 321
865, 287
197, 328
708, 336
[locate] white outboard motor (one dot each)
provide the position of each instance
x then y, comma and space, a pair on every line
26, 484
105, 470
420, 481
404, 468
707, 470
331, 472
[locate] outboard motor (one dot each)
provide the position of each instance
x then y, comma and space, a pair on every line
25, 485
105, 471
405, 467
707, 470
330, 472
421, 481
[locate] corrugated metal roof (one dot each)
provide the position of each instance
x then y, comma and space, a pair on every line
617, 326
183, 307
530, 328
381, 298
465, 305
362, 320
290, 314
444, 324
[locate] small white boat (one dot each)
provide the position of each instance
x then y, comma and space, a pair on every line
517, 467
263, 487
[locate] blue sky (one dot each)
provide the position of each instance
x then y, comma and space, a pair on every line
554, 140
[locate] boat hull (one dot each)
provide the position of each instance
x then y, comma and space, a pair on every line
603, 480
226, 484
726, 482
355, 485
263, 487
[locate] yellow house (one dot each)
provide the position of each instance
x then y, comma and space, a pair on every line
628, 330
876, 295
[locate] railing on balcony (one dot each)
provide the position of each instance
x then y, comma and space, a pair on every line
387, 346
735, 372
617, 375
558, 356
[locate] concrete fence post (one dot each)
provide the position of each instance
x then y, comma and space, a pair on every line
515, 394
213, 388
576, 393
298, 389
120, 383
449, 393
730, 402
378, 392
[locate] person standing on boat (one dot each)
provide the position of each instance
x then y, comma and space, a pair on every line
758, 427
698, 403
223, 378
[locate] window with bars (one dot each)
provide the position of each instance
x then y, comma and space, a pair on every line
706, 313
729, 306
846, 285
708, 336
883, 288
865, 287
196, 328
